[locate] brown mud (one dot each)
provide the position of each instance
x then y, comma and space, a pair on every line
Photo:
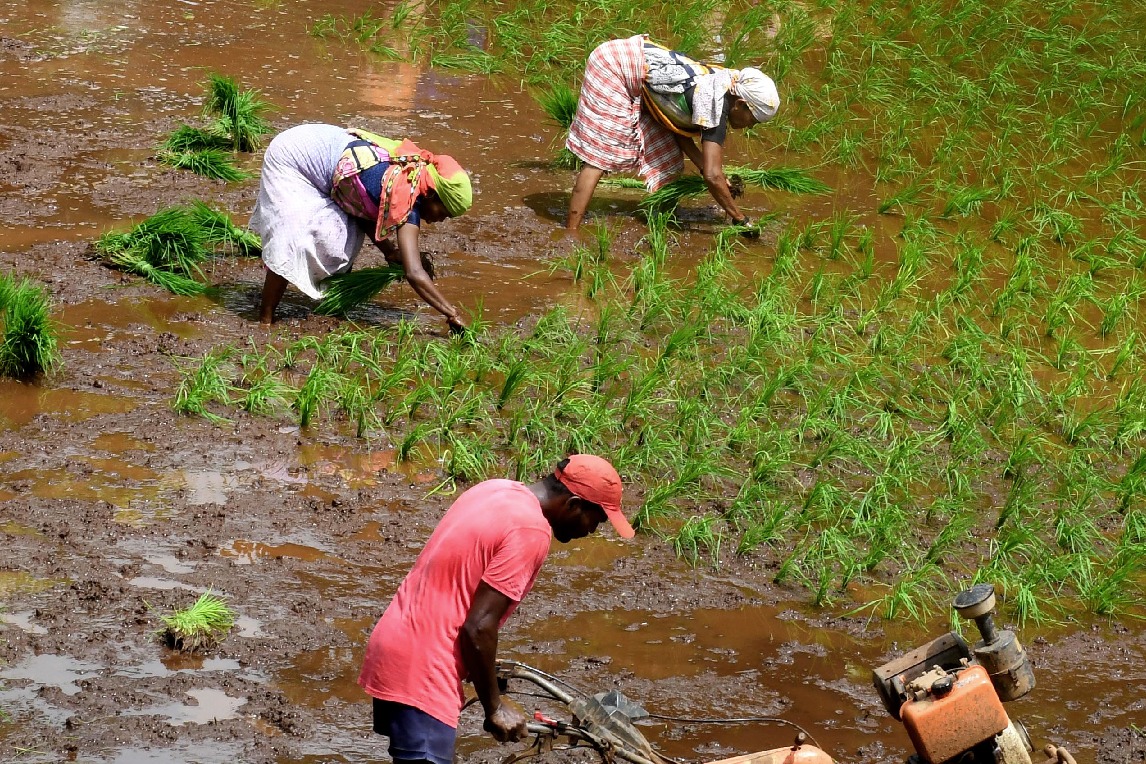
113, 509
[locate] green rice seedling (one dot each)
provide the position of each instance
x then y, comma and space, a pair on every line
210, 163
698, 533
238, 112
1113, 589
1061, 225
765, 524
186, 138
325, 26
1126, 352
29, 345
198, 627
166, 249
559, 102
909, 195
205, 385
218, 229
414, 436
346, 291
792, 180
1133, 485
264, 396
468, 457
469, 59
966, 201
321, 385
356, 401
1005, 225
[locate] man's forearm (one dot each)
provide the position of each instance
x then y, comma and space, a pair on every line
479, 654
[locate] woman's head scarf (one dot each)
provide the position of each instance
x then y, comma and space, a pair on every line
452, 184
412, 173
758, 91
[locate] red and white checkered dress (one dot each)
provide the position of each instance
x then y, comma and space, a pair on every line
610, 131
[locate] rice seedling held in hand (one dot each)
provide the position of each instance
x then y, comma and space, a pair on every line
198, 627
346, 291
788, 179
28, 346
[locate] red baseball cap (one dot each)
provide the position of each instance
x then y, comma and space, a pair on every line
593, 479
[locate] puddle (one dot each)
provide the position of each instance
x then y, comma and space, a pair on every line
99, 486
211, 706
170, 563
15, 529
20, 403
119, 443
243, 552
90, 324
214, 752
206, 486
18, 582
60, 671
174, 663
22, 621
151, 582
358, 469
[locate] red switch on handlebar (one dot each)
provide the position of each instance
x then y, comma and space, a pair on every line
538, 716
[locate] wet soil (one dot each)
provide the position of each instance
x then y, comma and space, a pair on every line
113, 509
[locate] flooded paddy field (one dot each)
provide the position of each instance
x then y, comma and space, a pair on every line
114, 508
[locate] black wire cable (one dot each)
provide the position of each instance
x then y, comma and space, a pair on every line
742, 720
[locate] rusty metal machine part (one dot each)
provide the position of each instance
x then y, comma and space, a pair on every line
998, 651
949, 695
948, 651
965, 712
799, 753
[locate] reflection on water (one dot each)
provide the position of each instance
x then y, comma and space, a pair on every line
211, 706
60, 671
243, 552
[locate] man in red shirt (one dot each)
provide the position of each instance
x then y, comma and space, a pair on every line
442, 625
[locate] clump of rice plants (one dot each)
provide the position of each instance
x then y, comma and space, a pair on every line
199, 627
346, 291
28, 346
238, 125
169, 247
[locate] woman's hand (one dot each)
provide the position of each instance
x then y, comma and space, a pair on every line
457, 326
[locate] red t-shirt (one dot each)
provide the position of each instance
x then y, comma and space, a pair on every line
495, 532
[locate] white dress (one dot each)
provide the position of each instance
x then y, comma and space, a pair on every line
306, 235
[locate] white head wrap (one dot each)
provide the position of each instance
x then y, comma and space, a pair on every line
759, 92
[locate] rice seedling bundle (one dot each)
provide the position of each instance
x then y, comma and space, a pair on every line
238, 126
238, 112
169, 247
200, 626
210, 163
346, 291
219, 229
28, 346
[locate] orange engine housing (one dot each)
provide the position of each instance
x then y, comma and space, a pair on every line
943, 727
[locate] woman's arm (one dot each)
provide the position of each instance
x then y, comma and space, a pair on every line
419, 280
712, 169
